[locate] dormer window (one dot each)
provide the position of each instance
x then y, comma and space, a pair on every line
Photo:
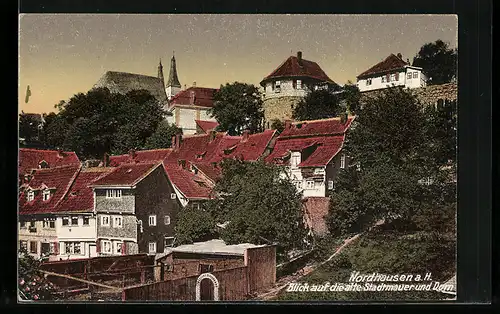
31, 196
46, 195
43, 164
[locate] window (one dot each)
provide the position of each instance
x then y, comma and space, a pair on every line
152, 247
45, 224
196, 206
383, 79
277, 86
46, 195
52, 224
113, 193
86, 220
117, 222
172, 196
31, 196
396, 76
73, 248
23, 245
105, 221
106, 246
169, 241
368, 81
295, 161
330, 184
298, 184
22, 224
393, 77
118, 247
342, 161
408, 76
299, 84
310, 185
65, 221
140, 226
167, 219
152, 220
204, 268
74, 221
52, 249
33, 247
415, 75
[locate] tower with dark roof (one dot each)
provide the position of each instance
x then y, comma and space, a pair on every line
173, 85
160, 73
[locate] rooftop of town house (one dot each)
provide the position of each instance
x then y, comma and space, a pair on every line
206, 126
391, 63
30, 158
217, 246
191, 185
128, 174
194, 96
140, 156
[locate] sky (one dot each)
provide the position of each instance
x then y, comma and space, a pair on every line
64, 54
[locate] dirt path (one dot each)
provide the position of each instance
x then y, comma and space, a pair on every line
284, 281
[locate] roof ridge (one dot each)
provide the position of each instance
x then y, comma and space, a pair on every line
45, 150
156, 164
130, 73
319, 120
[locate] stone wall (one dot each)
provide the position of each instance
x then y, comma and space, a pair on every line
279, 108
428, 95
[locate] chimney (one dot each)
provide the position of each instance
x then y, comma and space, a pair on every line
400, 56
299, 56
213, 133
131, 154
173, 142
407, 61
288, 124
178, 138
60, 153
105, 160
192, 97
245, 136
194, 84
182, 163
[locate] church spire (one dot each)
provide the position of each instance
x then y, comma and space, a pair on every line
160, 71
173, 80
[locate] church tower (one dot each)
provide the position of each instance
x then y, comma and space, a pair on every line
160, 74
173, 85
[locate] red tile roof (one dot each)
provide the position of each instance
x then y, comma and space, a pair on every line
140, 156
390, 63
209, 170
206, 126
316, 209
194, 96
80, 197
292, 68
30, 158
127, 174
58, 180
250, 149
325, 136
199, 148
191, 185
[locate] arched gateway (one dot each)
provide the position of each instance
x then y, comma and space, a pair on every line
215, 282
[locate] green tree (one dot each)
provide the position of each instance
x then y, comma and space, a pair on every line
258, 205
162, 137
238, 106
28, 127
318, 104
393, 155
32, 285
438, 62
351, 96
55, 131
194, 225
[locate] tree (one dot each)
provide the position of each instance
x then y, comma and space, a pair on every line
28, 127
55, 131
32, 285
351, 96
194, 225
162, 137
258, 205
438, 62
276, 124
238, 106
318, 104
393, 155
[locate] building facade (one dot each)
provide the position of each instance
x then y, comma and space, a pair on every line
290, 83
392, 71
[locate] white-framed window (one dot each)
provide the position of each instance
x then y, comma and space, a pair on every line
86, 220
330, 184
196, 206
105, 221
106, 246
415, 75
22, 224
408, 76
277, 86
30, 196
46, 195
173, 196
34, 247
23, 245
368, 82
52, 247
152, 247
310, 185
299, 84
393, 77
73, 248
169, 241
383, 79
152, 220
298, 184
117, 221
295, 160
358, 167
65, 221
45, 224
74, 221
118, 247
167, 220
342, 161
113, 193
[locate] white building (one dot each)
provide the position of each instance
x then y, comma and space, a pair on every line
392, 71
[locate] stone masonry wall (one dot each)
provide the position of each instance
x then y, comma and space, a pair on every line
279, 108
